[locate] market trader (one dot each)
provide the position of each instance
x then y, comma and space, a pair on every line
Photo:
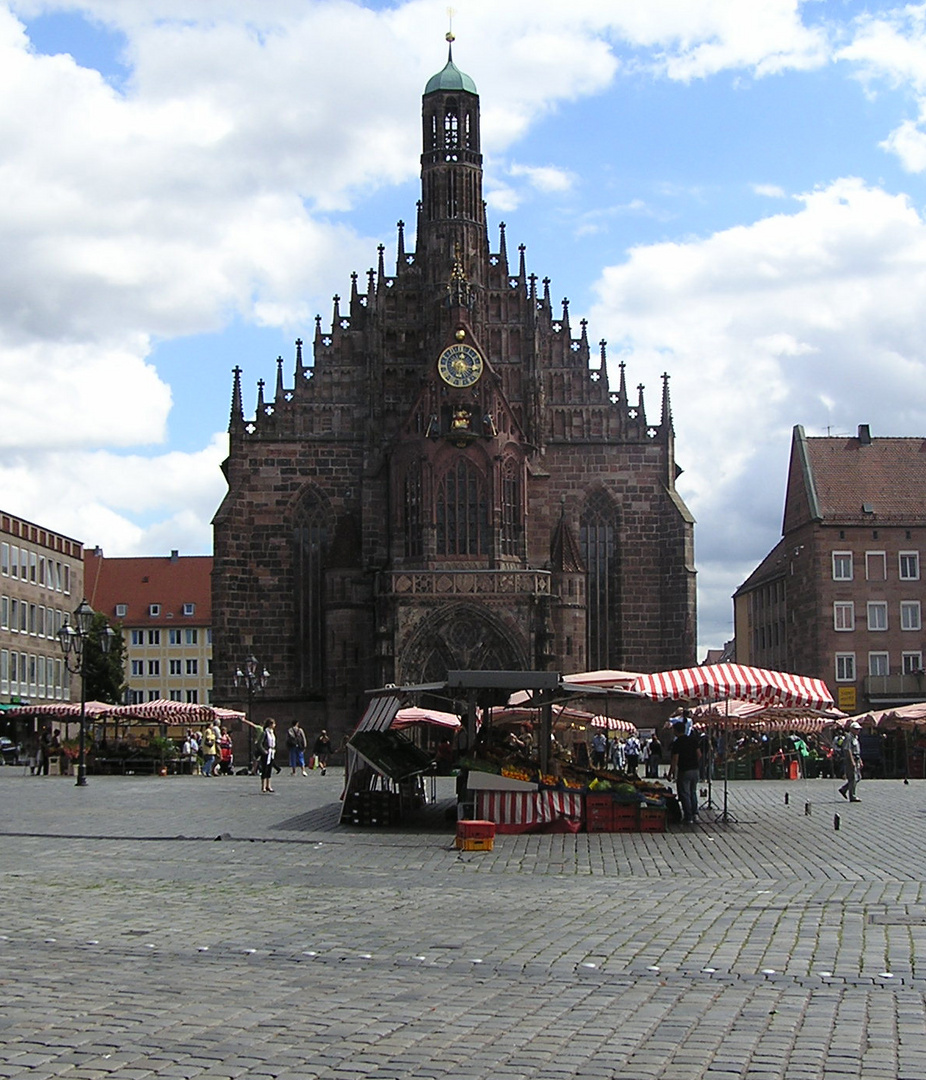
684, 768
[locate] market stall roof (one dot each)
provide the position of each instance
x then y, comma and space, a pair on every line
66, 709
164, 711
607, 679
901, 716
412, 716
715, 682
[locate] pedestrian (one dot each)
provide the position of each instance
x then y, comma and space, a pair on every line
852, 762
684, 763
321, 750
632, 754
267, 746
208, 747
296, 743
653, 757
226, 754
599, 749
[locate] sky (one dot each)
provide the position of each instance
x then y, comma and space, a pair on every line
732, 193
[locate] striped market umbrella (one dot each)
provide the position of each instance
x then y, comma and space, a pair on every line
717, 682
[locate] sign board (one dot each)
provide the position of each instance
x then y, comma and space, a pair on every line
846, 698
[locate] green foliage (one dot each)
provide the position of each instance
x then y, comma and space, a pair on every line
105, 673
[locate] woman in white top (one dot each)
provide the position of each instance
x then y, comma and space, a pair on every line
267, 746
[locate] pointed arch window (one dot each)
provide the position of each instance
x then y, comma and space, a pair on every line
451, 129
310, 541
598, 540
462, 513
413, 527
511, 523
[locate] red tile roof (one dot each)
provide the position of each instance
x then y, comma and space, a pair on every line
170, 581
887, 476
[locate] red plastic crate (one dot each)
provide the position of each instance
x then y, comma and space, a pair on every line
652, 819
468, 829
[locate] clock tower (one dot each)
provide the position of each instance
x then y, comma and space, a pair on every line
451, 482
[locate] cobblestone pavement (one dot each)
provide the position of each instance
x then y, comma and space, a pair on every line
185, 927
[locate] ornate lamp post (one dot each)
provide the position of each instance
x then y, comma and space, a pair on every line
253, 676
73, 640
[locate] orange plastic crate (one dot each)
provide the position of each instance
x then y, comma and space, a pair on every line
475, 843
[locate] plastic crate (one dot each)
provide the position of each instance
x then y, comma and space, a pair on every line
599, 813
652, 819
474, 843
625, 817
475, 830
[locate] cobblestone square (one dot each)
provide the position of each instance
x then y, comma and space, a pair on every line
190, 927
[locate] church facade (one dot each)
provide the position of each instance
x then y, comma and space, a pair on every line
452, 483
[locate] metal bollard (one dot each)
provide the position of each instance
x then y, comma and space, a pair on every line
787, 797
806, 809
836, 822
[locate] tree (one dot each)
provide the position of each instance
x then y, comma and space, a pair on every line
105, 674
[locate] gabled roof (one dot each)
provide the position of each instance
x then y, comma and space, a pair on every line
773, 566
855, 480
170, 581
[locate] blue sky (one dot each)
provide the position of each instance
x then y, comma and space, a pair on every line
730, 192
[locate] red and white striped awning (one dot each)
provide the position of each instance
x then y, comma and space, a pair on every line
165, 712
713, 682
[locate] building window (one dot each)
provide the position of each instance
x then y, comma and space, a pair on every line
138, 637
5, 560
154, 637
875, 566
844, 615
14, 561
154, 610
912, 663
878, 663
191, 636
176, 695
877, 614
842, 566
192, 696
189, 609
414, 533
121, 611
173, 637
192, 667
462, 511
4, 613
910, 615
909, 565
138, 667
176, 667
154, 667
597, 537
511, 509
154, 695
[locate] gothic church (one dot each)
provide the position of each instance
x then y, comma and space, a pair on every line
451, 483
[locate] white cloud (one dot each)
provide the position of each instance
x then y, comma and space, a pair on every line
545, 178
769, 191
767, 326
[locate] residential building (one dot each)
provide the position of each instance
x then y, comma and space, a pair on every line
41, 583
841, 596
452, 482
164, 606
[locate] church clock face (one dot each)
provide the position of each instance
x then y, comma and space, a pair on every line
459, 365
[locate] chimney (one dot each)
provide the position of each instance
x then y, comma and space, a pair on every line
864, 435
174, 555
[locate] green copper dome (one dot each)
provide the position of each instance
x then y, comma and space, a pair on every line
451, 78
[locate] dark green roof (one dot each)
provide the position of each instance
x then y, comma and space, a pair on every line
451, 78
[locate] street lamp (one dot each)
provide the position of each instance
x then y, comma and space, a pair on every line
253, 676
73, 640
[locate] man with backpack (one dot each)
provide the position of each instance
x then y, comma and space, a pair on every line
296, 743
